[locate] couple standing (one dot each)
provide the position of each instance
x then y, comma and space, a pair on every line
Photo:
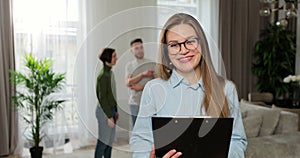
138, 72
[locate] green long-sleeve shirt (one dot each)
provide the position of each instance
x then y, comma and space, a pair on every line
106, 90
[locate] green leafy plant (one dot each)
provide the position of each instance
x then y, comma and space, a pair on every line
33, 95
274, 59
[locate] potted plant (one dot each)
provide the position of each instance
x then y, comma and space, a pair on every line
274, 59
34, 88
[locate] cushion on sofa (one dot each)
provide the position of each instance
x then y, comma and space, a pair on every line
270, 120
252, 125
288, 123
270, 116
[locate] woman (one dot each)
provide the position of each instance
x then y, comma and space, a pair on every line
106, 111
188, 86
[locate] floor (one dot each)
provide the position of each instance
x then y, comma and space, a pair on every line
118, 152
121, 149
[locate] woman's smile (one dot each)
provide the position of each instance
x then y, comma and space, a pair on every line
185, 59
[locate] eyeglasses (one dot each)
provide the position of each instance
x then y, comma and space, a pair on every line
189, 44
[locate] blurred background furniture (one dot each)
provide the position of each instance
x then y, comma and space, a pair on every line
293, 110
263, 99
271, 133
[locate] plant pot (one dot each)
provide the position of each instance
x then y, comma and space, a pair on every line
36, 152
283, 100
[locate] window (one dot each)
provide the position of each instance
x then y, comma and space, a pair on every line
48, 29
167, 8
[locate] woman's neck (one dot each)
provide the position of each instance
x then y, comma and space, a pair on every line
107, 67
193, 76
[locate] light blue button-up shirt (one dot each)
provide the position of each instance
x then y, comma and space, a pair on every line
176, 97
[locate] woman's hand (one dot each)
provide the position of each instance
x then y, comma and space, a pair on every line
171, 154
111, 122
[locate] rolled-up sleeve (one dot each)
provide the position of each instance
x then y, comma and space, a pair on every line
141, 140
238, 139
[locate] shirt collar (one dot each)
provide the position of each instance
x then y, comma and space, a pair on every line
176, 79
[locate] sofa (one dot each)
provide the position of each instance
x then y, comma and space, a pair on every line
271, 133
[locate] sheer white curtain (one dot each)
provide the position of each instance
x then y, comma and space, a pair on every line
71, 32
48, 29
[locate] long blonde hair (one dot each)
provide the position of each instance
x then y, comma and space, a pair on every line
214, 101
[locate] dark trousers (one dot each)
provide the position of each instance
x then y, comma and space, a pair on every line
106, 135
102, 149
134, 109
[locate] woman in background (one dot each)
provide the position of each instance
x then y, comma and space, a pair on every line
188, 86
106, 111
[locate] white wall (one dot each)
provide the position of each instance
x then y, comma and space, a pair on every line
110, 23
